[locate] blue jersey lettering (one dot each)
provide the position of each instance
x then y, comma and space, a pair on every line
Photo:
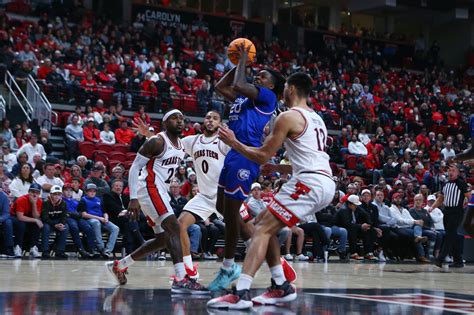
247, 118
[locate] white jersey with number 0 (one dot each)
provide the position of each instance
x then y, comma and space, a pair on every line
208, 154
306, 151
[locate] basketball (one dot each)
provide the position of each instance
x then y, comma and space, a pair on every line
233, 50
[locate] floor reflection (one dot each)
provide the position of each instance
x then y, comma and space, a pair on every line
121, 300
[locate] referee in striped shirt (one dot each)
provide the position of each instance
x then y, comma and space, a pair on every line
452, 198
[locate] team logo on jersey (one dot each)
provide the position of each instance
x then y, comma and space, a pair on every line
243, 174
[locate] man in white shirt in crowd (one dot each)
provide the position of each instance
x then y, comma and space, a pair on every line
48, 180
407, 227
448, 151
356, 147
9, 158
31, 148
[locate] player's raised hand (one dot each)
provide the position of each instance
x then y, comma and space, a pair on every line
140, 126
226, 135
243, 51
134, 209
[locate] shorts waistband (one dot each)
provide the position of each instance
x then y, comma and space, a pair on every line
319, 172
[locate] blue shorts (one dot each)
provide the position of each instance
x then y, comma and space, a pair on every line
471, 123
238, 175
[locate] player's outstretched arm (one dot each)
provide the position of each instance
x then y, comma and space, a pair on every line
466, 155
152, 147
271, 145
224, 86
240, 85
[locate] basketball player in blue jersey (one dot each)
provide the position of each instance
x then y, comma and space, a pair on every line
461, 157
252, 108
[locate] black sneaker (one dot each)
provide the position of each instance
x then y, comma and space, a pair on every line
237, 300
84, 254
9, 252
96, 254
45, 255
456, 265
188, 286
343, 257
61, 255
275, 294
106, 255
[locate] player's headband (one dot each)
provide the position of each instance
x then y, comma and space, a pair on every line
171, 112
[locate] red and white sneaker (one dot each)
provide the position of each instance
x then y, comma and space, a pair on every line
188, 286
277, 294
116, 272
290, 273
192, 273
237, 300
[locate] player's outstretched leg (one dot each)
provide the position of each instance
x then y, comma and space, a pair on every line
118, 268
182, 283
230, 271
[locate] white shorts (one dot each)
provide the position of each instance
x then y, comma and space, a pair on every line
302, 195
202, 206
156, 206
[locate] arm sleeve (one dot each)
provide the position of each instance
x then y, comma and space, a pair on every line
463, 187
45, 213
266, 100
64, 213
42, 151
436, 215
139, 162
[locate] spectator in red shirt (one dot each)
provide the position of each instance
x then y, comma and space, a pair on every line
123, 134
89, 84
45, 69
25, 214
148, 87
142, 115
188, 185
267, 194
452, 119
91, 133
99, 107
422, 138
188, 129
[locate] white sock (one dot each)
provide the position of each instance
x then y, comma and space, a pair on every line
188, 261
277, 274
228, 263
244, 282
247, 242
180, 271
126, 262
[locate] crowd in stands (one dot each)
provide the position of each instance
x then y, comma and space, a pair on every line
396, 130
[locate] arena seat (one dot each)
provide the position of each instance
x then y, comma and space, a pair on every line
119, 147
87, 148
105, 147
